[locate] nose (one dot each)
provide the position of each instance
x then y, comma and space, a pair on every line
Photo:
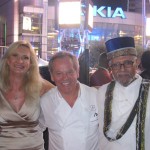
122, 66
19, 59
65, 76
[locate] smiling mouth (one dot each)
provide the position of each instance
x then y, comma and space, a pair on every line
20, 68
65, 83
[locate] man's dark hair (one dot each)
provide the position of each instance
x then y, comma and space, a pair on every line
145, 60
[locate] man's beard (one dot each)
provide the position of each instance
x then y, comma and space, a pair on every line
121, 76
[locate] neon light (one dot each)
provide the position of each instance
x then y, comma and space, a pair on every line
148, 27
107, 12
90, 16
69, 13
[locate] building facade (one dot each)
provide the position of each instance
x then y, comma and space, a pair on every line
36, 21
24, 20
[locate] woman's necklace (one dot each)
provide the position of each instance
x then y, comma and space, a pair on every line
139, 109
14, 95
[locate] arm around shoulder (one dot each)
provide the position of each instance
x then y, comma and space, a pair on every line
46, 86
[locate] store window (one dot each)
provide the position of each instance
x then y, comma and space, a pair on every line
31, 23
52, 39
30, 29
106, 31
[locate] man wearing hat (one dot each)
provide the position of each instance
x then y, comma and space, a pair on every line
124, 104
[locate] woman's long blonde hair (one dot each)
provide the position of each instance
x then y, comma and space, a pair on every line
32, 83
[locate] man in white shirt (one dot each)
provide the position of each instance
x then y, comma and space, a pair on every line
70, 109
124, 104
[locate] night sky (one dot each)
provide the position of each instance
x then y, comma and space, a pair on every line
112, 3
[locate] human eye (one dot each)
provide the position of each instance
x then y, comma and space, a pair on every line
25, 58
14, 55
70, 72
58, 74
128, 63
115, 66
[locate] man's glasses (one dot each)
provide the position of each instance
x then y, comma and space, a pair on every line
125, 64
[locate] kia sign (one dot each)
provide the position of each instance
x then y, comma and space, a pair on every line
106, 12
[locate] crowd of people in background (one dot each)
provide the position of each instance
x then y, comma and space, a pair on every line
111, 113
145, 64
102, 75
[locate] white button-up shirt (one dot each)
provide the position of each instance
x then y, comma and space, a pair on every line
124, 99
73, 128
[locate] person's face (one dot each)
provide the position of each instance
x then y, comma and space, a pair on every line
19, 61
64, 75
124, 69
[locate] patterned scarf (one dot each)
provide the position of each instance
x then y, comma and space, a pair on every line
139, 109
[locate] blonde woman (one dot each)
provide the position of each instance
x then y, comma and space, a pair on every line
20, 89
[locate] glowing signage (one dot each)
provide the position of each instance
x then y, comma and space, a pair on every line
90, 17
148, 27
26, 23
69, 13
106, 12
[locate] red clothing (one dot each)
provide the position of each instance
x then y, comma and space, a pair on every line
100, 77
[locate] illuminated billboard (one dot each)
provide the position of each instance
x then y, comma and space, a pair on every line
90, 17
69, 13
148, 27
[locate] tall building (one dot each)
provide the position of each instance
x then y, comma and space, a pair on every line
37, 21
24, 19
138, 6
135, 6
127, 5
112, 3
